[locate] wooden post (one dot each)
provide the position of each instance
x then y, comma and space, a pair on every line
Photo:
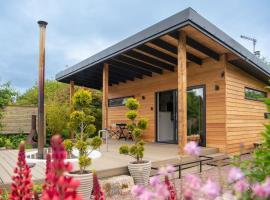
105, 88
182, 92
71, 91
41, 78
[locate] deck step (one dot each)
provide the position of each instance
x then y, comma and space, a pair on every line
219, 159
209, 151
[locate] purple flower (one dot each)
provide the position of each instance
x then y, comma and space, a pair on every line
192, 149
138, 190
259, 190
154, 181
161, 191
235, 174
266, 186
241, 185
211, 189
192, 181
165, 171
147, 195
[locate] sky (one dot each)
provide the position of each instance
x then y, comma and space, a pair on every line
78, 29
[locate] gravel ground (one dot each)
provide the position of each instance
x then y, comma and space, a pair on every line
218, 174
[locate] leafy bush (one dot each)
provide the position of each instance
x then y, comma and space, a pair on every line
57, 116
136, 128
68, 146
2, 142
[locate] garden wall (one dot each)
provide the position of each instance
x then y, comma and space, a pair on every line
18, 119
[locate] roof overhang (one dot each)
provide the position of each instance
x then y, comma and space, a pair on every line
89, 72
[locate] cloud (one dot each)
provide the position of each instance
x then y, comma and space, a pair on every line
81, 28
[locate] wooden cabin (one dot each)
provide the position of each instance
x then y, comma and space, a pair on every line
191, 79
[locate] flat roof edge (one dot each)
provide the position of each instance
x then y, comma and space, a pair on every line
179, 20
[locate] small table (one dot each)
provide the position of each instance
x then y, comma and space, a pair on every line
181, 166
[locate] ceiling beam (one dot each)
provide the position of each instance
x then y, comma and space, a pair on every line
198, 46
129, 69
168, 47
139, 64
120, 73
157, 53
150, 60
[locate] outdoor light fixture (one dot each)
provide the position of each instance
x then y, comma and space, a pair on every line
216, 87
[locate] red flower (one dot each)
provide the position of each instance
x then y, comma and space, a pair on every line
171, 189
22, 185
58, 186
97, 192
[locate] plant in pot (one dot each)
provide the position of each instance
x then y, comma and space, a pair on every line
81, 121
139, 169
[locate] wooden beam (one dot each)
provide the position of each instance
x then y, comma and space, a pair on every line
136, 70
182, 92
150, 60
171, 48
198, 46
71, 91
105, 90
158, 54
139, 64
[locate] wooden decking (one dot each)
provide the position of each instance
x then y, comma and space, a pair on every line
111, 163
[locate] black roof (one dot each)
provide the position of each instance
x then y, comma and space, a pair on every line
249, 62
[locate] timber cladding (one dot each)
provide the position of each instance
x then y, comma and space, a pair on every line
208, 74
231, 120
17, 119
245, 118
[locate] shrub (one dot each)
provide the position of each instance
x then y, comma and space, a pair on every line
68, 146
82, 122
136, 128
2, 142
57, 117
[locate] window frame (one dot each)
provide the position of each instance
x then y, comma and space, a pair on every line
256, 90
125, 97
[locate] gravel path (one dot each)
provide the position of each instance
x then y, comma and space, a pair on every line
218, 174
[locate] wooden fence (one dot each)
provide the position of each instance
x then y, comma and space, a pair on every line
17, 119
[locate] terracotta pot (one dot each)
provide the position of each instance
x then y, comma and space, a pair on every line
140, 172
86, 184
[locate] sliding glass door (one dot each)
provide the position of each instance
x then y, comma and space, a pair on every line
166, 115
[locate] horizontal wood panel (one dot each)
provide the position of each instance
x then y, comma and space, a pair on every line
245, 118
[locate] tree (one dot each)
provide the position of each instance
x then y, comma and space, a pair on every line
57, 105
6, 94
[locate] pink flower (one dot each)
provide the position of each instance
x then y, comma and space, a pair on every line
259, 190
57, 185
161, 191
235, 174
192, 149
187, 194
165, 171
192, 181
241, 185
211, 189
22, 184
266, 186
137, 190
154, 181
147, 195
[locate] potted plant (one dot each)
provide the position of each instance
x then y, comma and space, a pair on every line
139, 169
81, 121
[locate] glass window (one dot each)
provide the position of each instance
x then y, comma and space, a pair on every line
118, 101
195, 114
254, 94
